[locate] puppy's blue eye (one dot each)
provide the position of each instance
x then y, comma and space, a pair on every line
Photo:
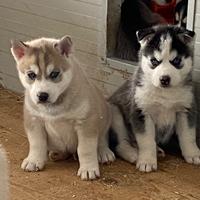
155, 62
54, 75
176, 63
32, 75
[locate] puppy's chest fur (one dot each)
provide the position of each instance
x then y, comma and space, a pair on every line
61, 130
163, 104
61, 135
61, 126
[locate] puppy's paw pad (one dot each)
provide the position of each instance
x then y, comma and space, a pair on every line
30, 165
88, 174
106, 155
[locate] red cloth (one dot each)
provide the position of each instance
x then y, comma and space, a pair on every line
167, 11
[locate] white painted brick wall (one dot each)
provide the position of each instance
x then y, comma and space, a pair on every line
84, 20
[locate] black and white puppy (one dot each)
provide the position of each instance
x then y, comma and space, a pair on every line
181, 13
158, 100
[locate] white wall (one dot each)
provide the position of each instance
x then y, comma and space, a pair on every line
84, 20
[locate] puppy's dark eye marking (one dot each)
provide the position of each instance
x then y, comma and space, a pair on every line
31, 75
176, 62
155, 62
53, 75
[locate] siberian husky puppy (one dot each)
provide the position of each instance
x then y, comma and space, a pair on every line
158, 100
181, 13
63, 112
4, 189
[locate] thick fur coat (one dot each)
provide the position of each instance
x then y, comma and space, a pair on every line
64, 112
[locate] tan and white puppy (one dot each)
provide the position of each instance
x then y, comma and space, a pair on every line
63, 112
4, 188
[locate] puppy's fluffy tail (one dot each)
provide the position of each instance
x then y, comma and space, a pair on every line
4, 188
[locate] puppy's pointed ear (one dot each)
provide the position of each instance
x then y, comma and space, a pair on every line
64, 46
144, 35
18, 49
187, 36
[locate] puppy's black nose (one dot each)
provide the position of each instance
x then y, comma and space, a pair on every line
43, 97
165, 81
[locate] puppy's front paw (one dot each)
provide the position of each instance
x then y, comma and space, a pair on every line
88, 173
146, 164
105, 155
193, 157
32, 165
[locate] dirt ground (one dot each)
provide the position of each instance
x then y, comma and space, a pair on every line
175, 180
